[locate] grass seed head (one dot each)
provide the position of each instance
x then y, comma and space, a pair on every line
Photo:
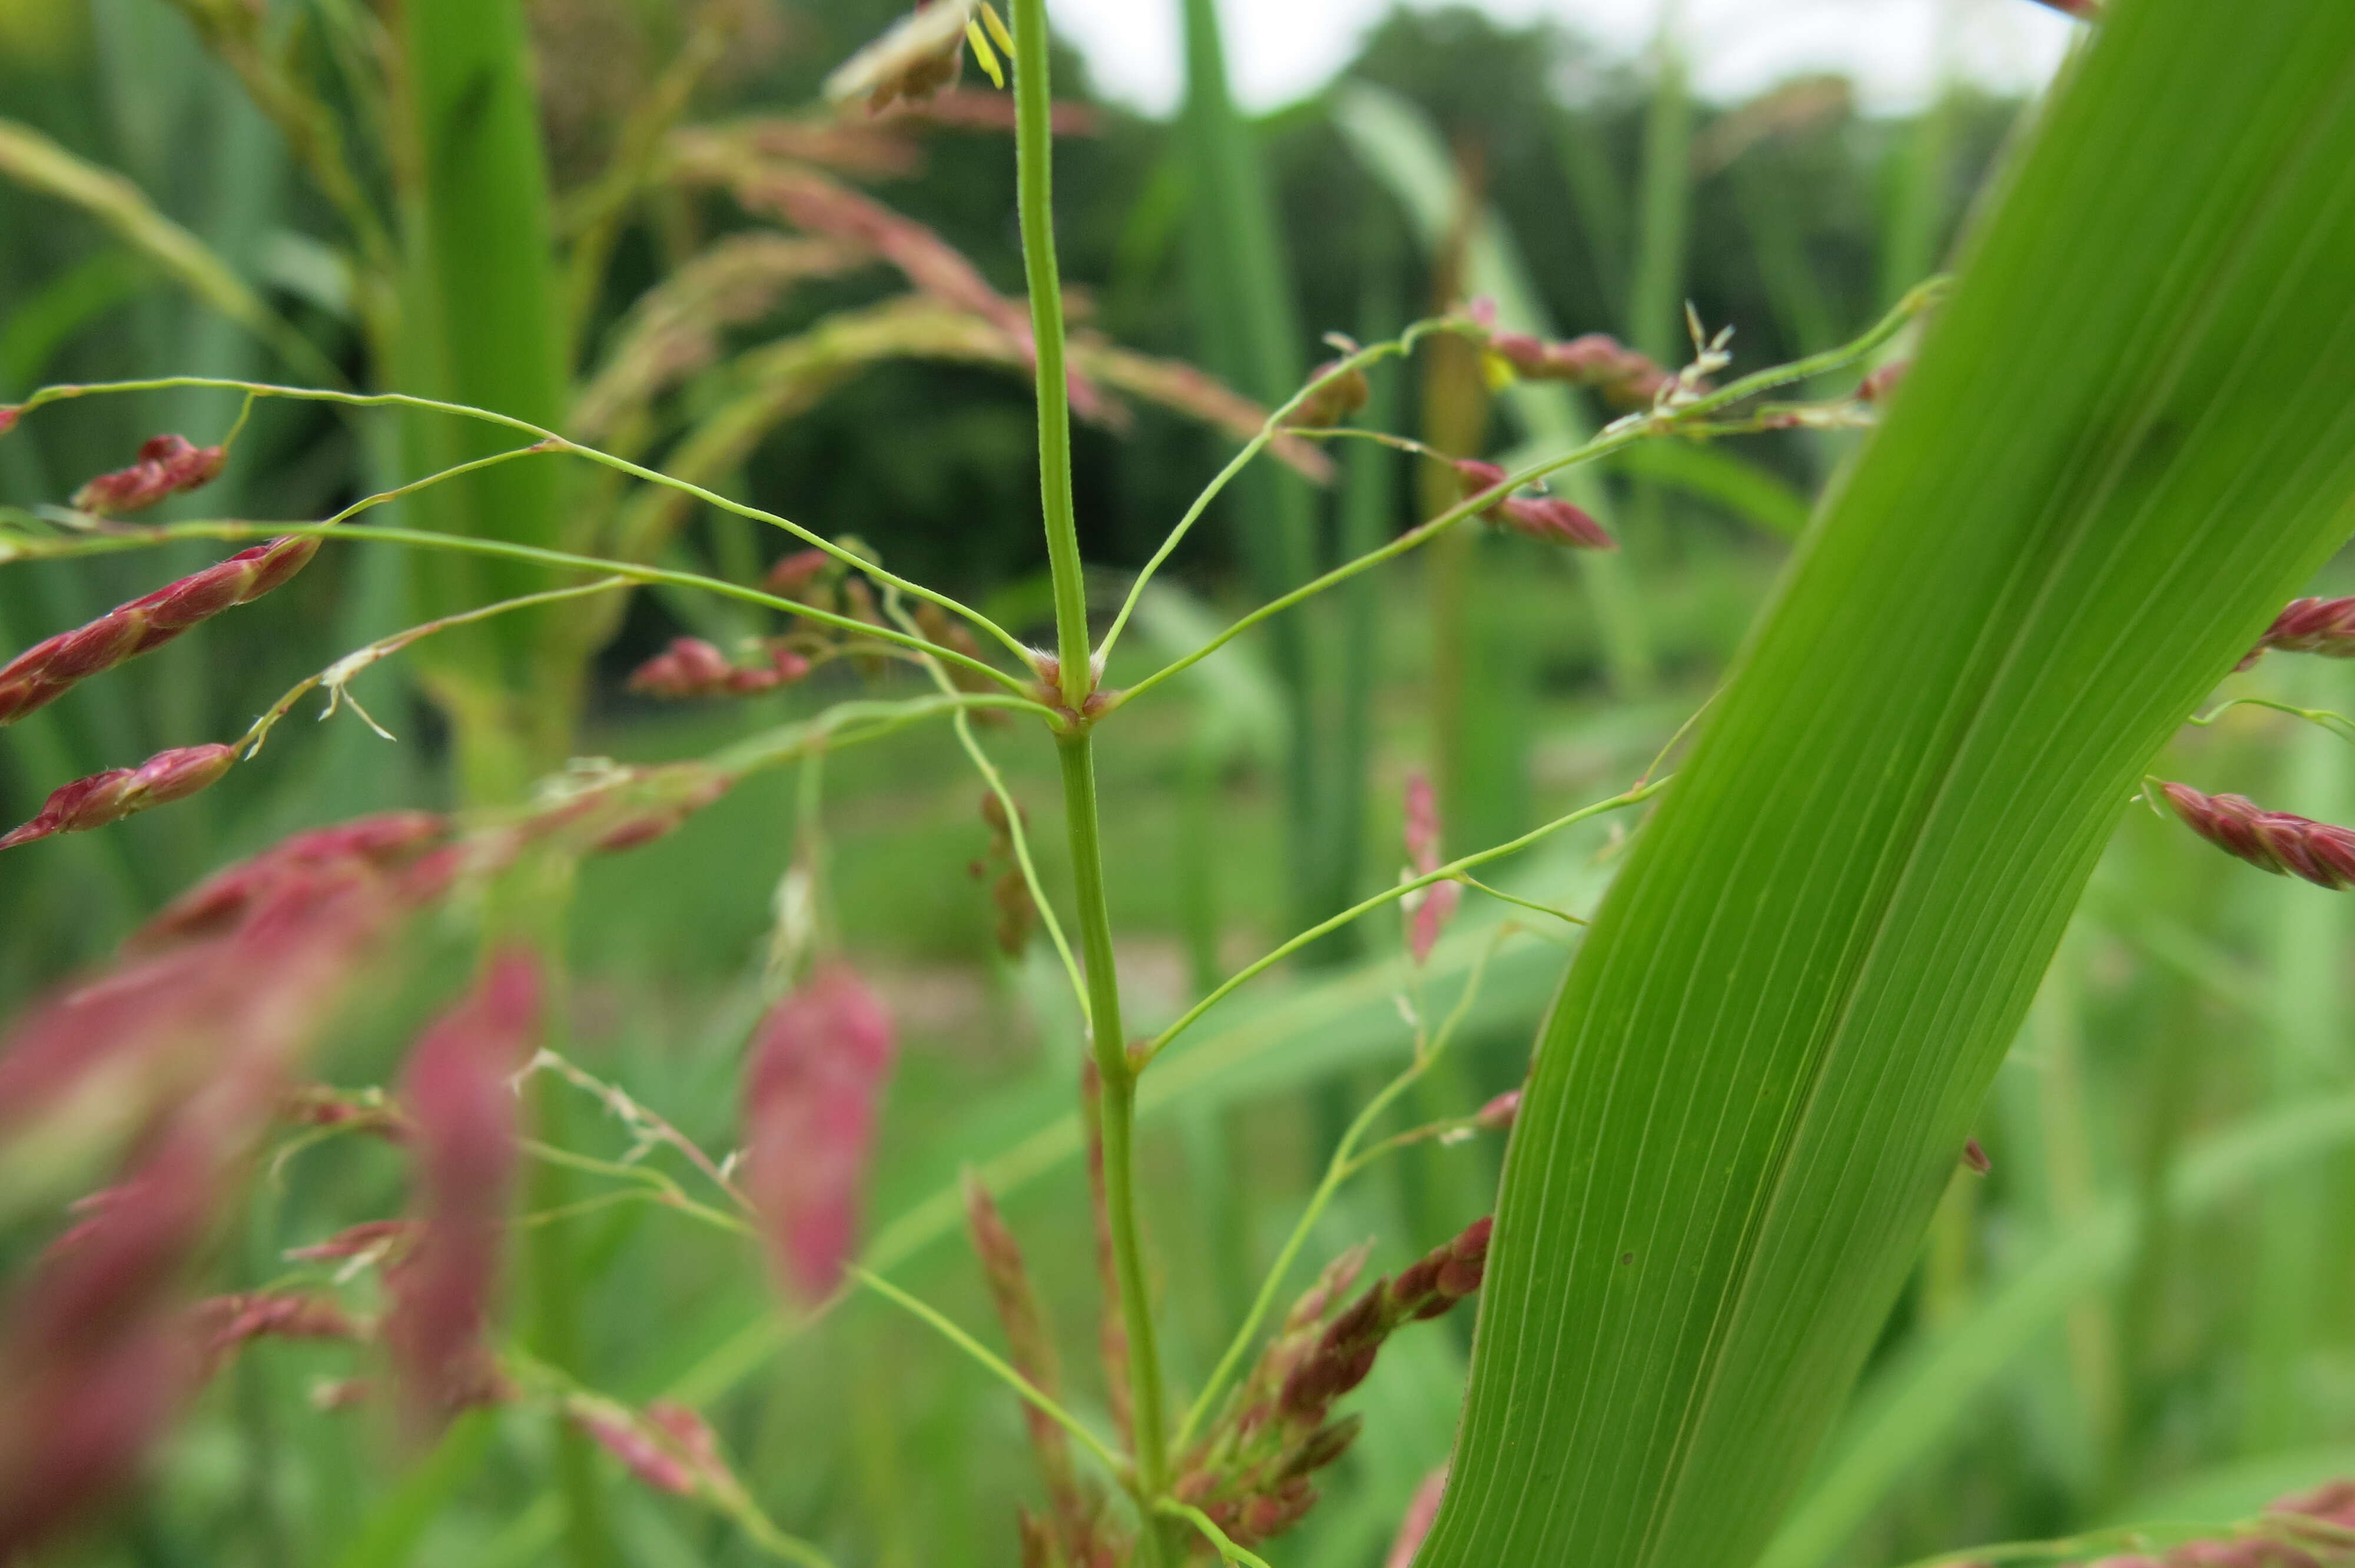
120, 792
167, 466
2279, 841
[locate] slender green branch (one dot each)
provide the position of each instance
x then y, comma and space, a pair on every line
1499, 894
1343, 1165
1030, 1392
657, 1186
544, 438
1273, 425
1615, 437
1390, 895
1228, 1551
335, 676
2336, 724
146, 538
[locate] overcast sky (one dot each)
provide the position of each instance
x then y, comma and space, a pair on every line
1896, 50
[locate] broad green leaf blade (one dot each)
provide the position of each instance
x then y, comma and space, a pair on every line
2129, 439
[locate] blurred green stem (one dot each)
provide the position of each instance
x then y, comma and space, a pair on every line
1034, 140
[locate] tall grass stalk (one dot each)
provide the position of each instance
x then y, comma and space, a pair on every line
1074, 747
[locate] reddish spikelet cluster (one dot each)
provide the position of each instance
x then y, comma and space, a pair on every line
457, 1088
2083, 10
667, 1446
1546, 517
1010, 891
167, 466
180, 1057
2323, 626
391, 847
1077, 1528
225, 1325
120, 792
1429, 912
2278, 841
813, 1083
1250, 1475
94, 1357
9, 414
1415, 1526
604, 808
1498, 1115
1333, 402
43, 673
1596, 359
1975, 1158
690, 667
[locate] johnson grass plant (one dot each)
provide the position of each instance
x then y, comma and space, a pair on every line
2097, 461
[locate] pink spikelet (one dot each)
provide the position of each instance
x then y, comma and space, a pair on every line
457, 1088
370, 848
167, 466
691, 667
44, 671
2278, 841
120, 792
2323, 626
1544, 517
1429, 913
1414, 1527
812, 1081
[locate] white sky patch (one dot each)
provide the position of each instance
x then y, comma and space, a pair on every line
1897, 51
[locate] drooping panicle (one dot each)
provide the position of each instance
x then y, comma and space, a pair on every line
2279, 841
120, 792
44, 671
167, 466
813, 1083
457, 1088
2323, 626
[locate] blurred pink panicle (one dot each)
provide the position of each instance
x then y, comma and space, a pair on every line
690, 667
119, 792
1430, 913
167, 466
458, 1090
818, 1065
1421, 1513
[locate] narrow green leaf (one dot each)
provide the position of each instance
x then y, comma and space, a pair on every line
2131, 437
38, 163
1911, 1411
